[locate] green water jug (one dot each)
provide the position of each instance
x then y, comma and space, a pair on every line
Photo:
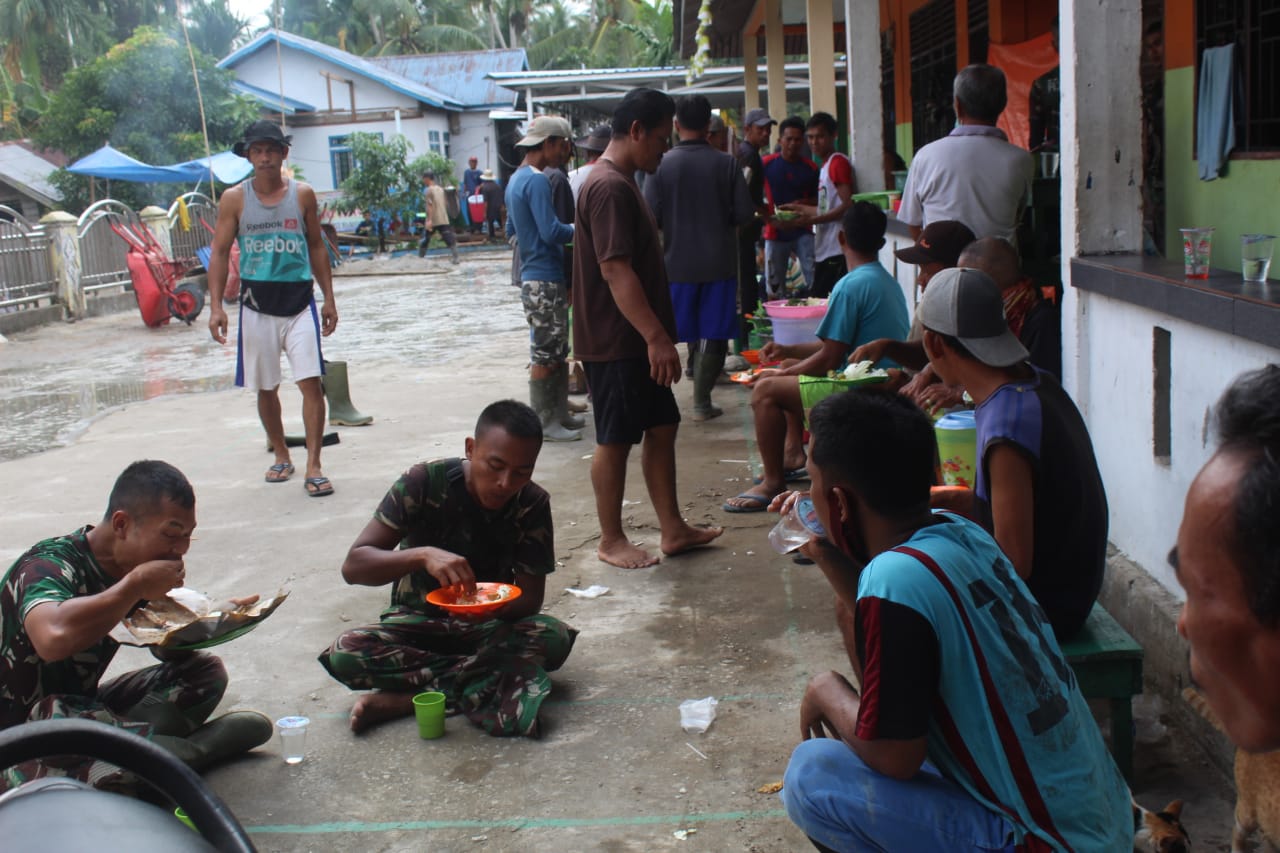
957, 435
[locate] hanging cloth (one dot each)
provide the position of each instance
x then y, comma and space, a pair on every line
1216, 110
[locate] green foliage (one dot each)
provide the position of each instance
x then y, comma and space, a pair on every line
140, 97
446, 171
213, 27
382, 180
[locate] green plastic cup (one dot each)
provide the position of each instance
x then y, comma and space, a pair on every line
182, 816
428, 709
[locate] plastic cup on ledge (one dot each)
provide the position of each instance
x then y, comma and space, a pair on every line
1197, 245
1255, 256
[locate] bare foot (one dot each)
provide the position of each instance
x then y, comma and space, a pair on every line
687, 538
378, 707
624, 555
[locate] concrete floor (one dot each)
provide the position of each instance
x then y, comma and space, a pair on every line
614, 771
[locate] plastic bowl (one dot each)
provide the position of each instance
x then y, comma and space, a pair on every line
779, 308
751, 355
446, 598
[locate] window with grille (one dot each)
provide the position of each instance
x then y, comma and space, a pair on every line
448, 146
933, 69
1254, 27
433, 141
341, 161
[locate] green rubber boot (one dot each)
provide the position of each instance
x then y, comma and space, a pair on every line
544, 397
338, 393
216, 741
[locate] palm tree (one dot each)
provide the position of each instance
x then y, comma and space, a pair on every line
45, 38
213, 27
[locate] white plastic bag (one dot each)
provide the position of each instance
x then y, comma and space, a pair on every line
593, 591
696, 714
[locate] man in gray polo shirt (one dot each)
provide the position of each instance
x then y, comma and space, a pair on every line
974, 174
698, 197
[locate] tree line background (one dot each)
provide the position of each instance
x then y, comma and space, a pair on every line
75, 74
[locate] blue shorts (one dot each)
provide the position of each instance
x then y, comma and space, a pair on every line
842, 804
706, 310
625, 401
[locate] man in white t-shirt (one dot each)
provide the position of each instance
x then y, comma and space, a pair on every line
836, 186
973, 175
593, 144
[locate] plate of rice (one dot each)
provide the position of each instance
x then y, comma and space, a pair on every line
486, 598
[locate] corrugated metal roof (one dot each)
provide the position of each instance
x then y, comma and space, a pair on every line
355, 64
463, 75
27, 171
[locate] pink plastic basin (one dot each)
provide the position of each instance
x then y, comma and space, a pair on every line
780, 308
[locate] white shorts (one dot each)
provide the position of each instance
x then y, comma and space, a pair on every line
262, 337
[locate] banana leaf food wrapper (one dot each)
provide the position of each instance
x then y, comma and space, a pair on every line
187, 619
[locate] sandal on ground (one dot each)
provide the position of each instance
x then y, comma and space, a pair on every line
758, 503
318, 487
280, 472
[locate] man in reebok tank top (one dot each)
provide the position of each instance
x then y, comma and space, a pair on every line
274, 220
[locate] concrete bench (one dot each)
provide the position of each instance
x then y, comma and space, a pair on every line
1108, 665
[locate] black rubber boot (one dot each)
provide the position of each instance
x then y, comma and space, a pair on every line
707, 365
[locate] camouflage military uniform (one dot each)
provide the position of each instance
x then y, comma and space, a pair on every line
495, 671
31, 689
546, 307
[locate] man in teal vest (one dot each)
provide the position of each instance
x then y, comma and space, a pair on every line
275, 221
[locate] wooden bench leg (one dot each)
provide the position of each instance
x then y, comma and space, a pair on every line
1122, 736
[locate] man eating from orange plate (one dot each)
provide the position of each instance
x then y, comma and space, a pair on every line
456, 522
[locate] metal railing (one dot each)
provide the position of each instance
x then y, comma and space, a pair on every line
203, 211
102, 252
26, 270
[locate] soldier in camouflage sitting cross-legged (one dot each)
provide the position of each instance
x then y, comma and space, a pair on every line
459, 521
60, 600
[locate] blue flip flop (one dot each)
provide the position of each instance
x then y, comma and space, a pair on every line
282, 471
759, 503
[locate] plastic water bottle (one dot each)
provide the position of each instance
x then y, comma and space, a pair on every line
798, 525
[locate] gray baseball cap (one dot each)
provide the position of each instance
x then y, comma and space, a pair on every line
757, 117
967, 305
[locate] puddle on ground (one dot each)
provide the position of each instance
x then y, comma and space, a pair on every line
55, 381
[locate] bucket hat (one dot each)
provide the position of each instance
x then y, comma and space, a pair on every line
260, 131
597, 140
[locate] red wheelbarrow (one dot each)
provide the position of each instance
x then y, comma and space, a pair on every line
155, 275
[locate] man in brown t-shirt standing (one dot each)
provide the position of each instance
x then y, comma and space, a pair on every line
624, 332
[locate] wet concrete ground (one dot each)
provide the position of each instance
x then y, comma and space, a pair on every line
614, 771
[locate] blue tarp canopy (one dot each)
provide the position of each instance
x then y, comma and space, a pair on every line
228, 167
114, 165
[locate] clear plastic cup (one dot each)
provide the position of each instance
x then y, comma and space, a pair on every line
798, 525
1255, 256
1197, 243
293, 738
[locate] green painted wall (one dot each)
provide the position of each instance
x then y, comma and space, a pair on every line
1243, 201
903, 142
